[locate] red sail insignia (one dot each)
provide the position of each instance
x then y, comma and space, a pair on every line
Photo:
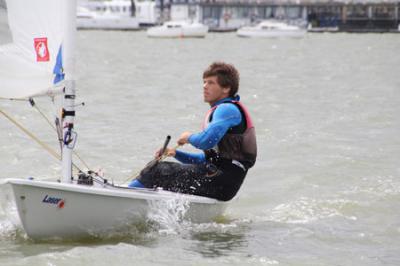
42, 50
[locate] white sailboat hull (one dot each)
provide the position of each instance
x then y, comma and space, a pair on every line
52, 209
178, 30
251, 33
272, 29
108, 23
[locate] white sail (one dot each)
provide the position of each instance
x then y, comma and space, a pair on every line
33, 63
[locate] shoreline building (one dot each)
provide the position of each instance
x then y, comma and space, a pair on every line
340, 15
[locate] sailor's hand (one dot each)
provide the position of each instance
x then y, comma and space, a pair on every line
184, 138
170, 152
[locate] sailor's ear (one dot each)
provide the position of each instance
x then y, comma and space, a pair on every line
226, 90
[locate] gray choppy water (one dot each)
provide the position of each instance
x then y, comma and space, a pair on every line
325, 189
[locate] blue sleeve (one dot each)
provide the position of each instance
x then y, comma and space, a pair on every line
225, 116
190, 158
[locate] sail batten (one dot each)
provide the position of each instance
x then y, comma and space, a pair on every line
38, 28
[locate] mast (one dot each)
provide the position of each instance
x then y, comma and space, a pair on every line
68, 111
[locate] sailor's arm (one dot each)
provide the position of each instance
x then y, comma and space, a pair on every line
226, 116
183, 157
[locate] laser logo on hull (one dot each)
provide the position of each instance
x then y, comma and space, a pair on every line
54, 200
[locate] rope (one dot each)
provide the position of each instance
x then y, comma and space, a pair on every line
80, 159
16, 99
41, 143
44, 116
154, 161
52, 126
32, 136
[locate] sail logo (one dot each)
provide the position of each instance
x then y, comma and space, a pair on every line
53, 200
42, 50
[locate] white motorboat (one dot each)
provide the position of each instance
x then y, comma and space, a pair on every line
112, 15
271, 29
40, 63
178, 29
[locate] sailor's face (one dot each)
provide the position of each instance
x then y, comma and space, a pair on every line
212, 91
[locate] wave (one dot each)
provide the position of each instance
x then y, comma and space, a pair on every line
10, 225
306, 210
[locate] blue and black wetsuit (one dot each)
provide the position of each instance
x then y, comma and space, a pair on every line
219, 170
224, 117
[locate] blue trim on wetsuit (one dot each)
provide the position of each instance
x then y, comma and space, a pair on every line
136, 183
190, 158
224, 117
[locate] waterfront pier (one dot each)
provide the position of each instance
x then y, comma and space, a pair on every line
321, 15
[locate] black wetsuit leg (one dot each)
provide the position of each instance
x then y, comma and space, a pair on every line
222, 182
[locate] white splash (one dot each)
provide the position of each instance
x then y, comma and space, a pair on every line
168, 214
9, 220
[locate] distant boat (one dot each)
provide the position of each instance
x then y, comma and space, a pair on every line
271, 29
112, 15
178, 29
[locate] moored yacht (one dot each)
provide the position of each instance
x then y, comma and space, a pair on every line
112, 15
271, 29
178, 29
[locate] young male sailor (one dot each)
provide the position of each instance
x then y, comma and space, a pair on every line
227, 141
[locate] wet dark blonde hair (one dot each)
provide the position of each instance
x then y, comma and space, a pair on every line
227, 76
